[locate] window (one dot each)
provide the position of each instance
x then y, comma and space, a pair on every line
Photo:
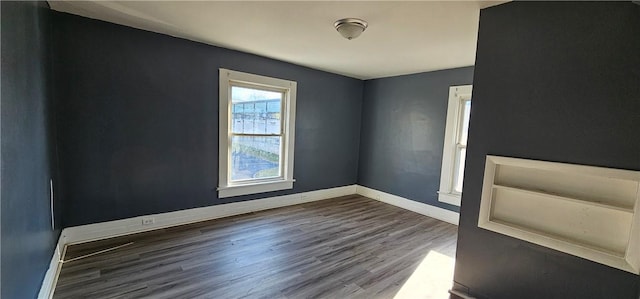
257, 123
455, 144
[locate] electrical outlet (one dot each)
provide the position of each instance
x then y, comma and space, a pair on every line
148, 221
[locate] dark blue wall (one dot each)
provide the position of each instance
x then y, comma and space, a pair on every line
555, 82
28, 240
137, 116
403, 124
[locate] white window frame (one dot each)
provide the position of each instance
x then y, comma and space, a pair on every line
229, 78
457, 97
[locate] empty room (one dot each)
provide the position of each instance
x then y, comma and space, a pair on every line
320, 149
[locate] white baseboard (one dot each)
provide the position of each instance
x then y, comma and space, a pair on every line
109, 229
51, 276
411, 205
103, 230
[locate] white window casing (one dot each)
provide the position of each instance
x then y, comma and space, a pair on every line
454, 144
228, 187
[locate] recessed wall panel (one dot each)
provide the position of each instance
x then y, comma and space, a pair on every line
590, 212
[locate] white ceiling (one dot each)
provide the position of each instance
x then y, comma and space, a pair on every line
402, 37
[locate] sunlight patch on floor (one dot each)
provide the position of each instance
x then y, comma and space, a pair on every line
431, 280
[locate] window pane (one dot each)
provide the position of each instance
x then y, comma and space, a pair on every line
466, 112
459, 169
255, 157
255, 111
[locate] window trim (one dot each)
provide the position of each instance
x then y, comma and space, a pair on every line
457, 94
229, 78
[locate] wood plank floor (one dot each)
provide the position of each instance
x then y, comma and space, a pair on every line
347, 247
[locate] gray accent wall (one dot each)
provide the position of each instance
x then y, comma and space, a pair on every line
27, 238
137, 121
403, 126
554, 81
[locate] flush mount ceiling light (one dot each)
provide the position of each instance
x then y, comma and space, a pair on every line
350, 28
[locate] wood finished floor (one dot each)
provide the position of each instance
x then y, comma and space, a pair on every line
347, 247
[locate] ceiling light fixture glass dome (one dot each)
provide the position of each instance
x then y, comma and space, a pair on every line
350, 28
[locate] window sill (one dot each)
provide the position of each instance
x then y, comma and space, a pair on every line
238, 190
450, 198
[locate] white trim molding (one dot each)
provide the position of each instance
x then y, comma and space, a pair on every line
411, 205
450, 198
227, 187
230, 191
109, 229
51, 276
457, 96
97, 231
